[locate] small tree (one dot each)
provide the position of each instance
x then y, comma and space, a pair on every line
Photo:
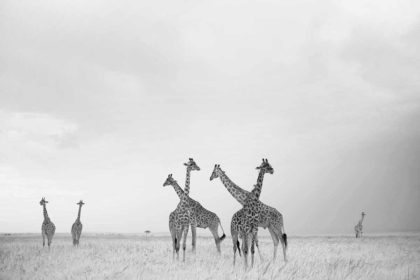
147, 232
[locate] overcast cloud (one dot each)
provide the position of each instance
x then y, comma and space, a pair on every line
101, 100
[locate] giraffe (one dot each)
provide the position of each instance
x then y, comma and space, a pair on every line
245, 222
244, 225
76, 228
179, 219
191, 165
203, 217
269, 217
48, 227
358, 229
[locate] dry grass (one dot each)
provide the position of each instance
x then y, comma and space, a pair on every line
135, 257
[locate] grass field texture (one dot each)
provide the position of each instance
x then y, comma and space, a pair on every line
102, 256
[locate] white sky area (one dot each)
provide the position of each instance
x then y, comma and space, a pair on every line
101, 100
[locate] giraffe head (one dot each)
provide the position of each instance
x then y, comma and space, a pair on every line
169, 181
266, 167
81, 203
216, 172
43, 201
191, 165
363, 214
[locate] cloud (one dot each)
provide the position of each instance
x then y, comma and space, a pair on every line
17, 187
33, 135
390, 62
107, 98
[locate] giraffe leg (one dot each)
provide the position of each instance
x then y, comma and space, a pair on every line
213, 231
235, 245
184, 243
252, 252
173, 235
178, 242
245, 249
258, 248
275, 241
283, 239
194, 236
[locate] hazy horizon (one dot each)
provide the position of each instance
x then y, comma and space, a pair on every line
205, 233
101, 100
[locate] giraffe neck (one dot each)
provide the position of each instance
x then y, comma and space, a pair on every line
181, 194
78, 214
257, 189
187, 182
238, 193
361, 220
46, 218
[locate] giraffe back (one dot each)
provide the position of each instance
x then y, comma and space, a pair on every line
180, 217
241, 224
76, 230
269, 216
48, 228
203, 217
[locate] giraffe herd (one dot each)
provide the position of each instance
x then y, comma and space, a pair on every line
254, 214
48, 227
190, 213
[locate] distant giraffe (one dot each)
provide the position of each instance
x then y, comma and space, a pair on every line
358, 229
203, 217
76, 229
180, 219
268, 216
48, 227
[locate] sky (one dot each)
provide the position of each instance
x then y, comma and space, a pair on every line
101, 100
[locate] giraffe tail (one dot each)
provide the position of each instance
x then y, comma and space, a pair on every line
238, 246
284, 237
223, 235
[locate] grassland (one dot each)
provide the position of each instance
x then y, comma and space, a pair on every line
139, 257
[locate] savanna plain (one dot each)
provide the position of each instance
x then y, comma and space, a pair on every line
117, 256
